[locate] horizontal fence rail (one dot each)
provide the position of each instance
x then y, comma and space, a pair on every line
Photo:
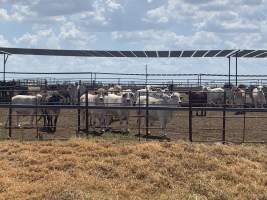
142, 107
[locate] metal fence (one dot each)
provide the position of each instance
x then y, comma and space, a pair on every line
42, 79
223, 123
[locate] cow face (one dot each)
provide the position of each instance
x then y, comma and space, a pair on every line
260, 88
117, 89
111, 90
176, 99
128, 97
39, 98
101, 93
54, 99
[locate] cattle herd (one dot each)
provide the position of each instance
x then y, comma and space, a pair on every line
116, 96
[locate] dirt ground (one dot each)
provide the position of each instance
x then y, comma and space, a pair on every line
207, 128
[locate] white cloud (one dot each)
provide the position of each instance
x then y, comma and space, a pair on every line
159, 14
153, 39
72, 35
3, 14
42, 38
4, 42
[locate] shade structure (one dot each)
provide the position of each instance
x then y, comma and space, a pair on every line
137, 54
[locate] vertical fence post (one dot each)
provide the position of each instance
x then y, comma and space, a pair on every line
91, 80
244, 127
79, 110
147, 112
139, 119
244, 120
224, 104
190, 114
86, 112
45, 85
10, 118
229, 70
36, 117
95, 79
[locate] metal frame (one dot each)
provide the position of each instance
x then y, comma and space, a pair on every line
139, 54
6, 54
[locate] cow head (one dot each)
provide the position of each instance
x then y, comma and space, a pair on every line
260, 88
111, 90
39, 98
205, 88
101, 93
117, 89
176, 99
54, 98
128, 97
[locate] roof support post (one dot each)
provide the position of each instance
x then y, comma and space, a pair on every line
4, 72
229, 70
236, 69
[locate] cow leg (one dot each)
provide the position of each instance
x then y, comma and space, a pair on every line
107, 121
83, 121
121, 124
17, 121
49, 122
55, 123
83, 118
163, 129
93, 122
31, 120
44, 118
127, 124
103, 123
7, 121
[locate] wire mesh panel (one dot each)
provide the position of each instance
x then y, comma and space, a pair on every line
247, 127
208, 128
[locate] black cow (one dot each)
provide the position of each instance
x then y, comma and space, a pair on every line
50, 115
199, 99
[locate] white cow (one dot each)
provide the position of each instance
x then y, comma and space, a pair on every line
126, 99
164, 116
29, 100
152, 93
72, 90
117, 89
142, 92
239, 97
215, 96
258, 97
94, 114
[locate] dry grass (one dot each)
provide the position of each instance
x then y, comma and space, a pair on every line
112, 169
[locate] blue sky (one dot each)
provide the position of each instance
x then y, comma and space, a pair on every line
134, 25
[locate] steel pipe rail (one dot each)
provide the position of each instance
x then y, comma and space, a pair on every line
135, 108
